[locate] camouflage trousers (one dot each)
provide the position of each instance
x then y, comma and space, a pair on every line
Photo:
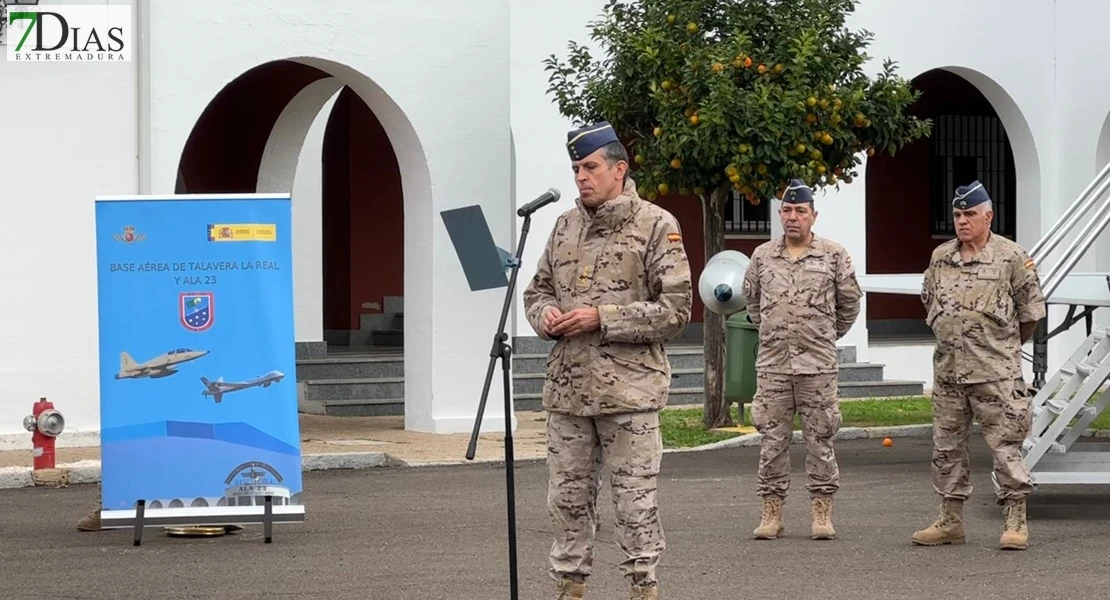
814, 397
1004, 411
631, 446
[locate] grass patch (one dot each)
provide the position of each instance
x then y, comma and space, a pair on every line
682, 427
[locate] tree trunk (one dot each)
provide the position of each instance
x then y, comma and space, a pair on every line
716, 413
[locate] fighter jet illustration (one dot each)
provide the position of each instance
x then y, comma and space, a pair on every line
157, 367
218, 388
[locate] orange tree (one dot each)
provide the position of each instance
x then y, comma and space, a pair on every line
717, 96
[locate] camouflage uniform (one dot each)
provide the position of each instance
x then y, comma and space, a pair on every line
604, 388
802, 306
974, 307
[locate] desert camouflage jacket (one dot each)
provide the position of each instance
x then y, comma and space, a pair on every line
975, 308
801, 305
627, 259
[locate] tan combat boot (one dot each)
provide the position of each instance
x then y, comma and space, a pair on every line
822, 518
770, 527
570, 589
1016, 534
947, 529
647, 592
90, 522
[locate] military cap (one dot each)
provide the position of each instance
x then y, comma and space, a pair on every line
972, 194
797, 192
586, 140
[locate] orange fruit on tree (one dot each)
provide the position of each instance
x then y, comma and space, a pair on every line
658, 131
811, 119
747, 62
762, 69
779, 68
826, 139
676, 164
694, 120
692, 27
718, 67
671, 19
811, 101
664, 189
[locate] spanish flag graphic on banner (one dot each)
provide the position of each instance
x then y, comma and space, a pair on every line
242, 232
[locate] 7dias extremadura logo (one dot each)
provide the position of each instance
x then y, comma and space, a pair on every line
69, 33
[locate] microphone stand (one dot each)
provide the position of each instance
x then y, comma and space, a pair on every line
503, 351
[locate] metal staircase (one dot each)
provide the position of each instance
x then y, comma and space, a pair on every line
1076, 394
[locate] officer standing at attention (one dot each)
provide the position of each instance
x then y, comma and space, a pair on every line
803, 295
612, 286
983, 299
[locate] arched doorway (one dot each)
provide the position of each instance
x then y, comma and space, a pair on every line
237, 146
978, 133
355, 170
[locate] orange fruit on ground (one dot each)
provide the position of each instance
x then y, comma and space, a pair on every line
888, 442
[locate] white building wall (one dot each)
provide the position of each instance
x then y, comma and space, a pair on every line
539, 131
436, 73
441, 85
70, 133
1051, 96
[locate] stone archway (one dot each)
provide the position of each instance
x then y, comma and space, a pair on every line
979, 133
266, 129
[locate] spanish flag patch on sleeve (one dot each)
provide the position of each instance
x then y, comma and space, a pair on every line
674, 237
1029, 264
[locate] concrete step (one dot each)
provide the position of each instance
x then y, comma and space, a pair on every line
880, 389
355, 407
319, 390
348, 367
850, 372
388, 337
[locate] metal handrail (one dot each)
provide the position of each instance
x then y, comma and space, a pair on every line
1074, 213
1094, 191
1084, 240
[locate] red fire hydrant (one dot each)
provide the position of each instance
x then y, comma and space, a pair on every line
45, 423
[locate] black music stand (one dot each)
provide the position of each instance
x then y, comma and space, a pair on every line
485, 264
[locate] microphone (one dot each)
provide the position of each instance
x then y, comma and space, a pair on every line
551, 195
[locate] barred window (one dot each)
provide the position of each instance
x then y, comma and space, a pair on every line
966, 148
742, 218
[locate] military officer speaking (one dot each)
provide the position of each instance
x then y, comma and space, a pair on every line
612, 286
983, 300
803, 295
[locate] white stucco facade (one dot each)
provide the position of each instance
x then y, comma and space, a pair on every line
460, 89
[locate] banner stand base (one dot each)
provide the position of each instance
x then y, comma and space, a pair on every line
203, 521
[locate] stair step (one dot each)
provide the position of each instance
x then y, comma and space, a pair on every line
356, 407
880, 389
319, 390
347, 367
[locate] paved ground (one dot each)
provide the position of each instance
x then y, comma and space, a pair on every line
439, 533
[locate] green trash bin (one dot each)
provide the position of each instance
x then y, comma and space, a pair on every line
741, 348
